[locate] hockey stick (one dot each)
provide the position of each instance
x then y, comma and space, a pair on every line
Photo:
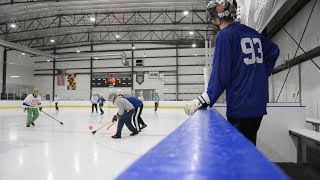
52, 117
93, 132
111, 125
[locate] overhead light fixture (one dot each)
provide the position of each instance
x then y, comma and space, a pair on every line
92, 19
191, 32
144, 55
196, 54
48, 60
78, 51
117, 36
194, 45
185, 12
133, 47
52, 40
13, 25
96, 58
23, 53
14, 76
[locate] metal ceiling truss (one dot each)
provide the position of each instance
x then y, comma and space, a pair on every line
12, 2
111, 36
135, 18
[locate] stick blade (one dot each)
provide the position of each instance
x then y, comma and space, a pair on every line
61, 123
93, 132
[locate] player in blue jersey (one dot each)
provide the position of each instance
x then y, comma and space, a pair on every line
138, 106
243, 60
101, 101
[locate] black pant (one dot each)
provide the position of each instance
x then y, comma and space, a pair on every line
137, 120
247, 126
125, 119
95, 105
56, 104
156, 105
101, 110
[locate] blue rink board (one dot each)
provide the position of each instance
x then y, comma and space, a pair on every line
206, 146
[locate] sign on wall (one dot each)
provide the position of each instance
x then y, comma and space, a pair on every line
111, 80
72, 84
154, 75
140, 77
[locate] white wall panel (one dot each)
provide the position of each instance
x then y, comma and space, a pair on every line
191, 60
82, 91
191, 70
311, 88
71, 64
309, 73
191, 51
158, 61
108, 63
191, 78
295, 27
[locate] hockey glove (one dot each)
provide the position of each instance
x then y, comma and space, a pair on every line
115, 118
192, 106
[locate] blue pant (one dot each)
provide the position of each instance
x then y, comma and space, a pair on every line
126, 119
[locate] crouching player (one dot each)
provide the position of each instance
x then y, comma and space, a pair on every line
138, 106
31, 103
124, 115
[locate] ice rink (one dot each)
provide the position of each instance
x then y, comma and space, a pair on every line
50, 151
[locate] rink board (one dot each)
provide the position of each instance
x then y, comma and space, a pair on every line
206, 146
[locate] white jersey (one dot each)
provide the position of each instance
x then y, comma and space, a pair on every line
94, 99
32, 102
56, 99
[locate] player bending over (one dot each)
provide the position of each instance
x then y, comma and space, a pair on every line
138, 106
125, 113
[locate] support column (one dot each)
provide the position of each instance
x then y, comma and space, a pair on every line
4, 73
300, 87
132, 58
54, 75
91, 66
177, 72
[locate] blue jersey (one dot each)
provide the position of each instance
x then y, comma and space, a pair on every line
135, 102
101, 101
243, 59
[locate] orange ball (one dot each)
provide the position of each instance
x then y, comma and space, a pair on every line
90, 127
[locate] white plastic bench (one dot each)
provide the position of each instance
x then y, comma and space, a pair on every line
304, 136
314, 122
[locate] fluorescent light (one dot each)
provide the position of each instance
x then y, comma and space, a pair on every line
78, 51
191, 32
133, 47
92, 19
48, 60
117, 36
185, 12
14, 76
52, 40
144, 55
196, 54
13, 25
194, 45
23, 53
96, 58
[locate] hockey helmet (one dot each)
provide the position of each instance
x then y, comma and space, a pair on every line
112, 97
222, 9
